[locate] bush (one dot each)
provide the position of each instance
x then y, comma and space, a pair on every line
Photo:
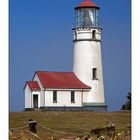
127, 105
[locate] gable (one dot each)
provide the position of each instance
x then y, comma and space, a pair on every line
32, 85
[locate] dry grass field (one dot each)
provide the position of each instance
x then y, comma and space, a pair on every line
66, 122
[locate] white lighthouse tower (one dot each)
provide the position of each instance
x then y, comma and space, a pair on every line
87, 59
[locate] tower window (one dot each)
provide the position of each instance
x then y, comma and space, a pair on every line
93, 34
75, 34
72, 97
54, 96
94, 73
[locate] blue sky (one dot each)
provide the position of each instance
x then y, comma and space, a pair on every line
41, 39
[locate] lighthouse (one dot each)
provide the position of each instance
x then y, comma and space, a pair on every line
83, 88
87, 58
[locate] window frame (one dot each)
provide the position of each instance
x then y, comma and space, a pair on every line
54, 96
94, 74
93, 34
72, 96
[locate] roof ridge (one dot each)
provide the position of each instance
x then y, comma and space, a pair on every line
57, 71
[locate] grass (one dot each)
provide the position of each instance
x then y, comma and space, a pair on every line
70, 121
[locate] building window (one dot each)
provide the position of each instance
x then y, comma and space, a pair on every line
93, 34
55, 96
72, 97
94, 73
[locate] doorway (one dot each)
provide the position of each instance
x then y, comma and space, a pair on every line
35, 101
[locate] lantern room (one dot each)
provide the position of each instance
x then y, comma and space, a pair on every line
87, 14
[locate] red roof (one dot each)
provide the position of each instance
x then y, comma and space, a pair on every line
87, 3
60, 80
33, 85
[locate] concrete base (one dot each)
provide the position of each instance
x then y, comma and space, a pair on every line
101, 107
62, 108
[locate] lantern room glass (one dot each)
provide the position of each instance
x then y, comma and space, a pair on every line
87, 17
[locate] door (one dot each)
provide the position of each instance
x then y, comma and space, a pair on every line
35, 101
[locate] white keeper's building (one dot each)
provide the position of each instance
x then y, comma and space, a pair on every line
83, 88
